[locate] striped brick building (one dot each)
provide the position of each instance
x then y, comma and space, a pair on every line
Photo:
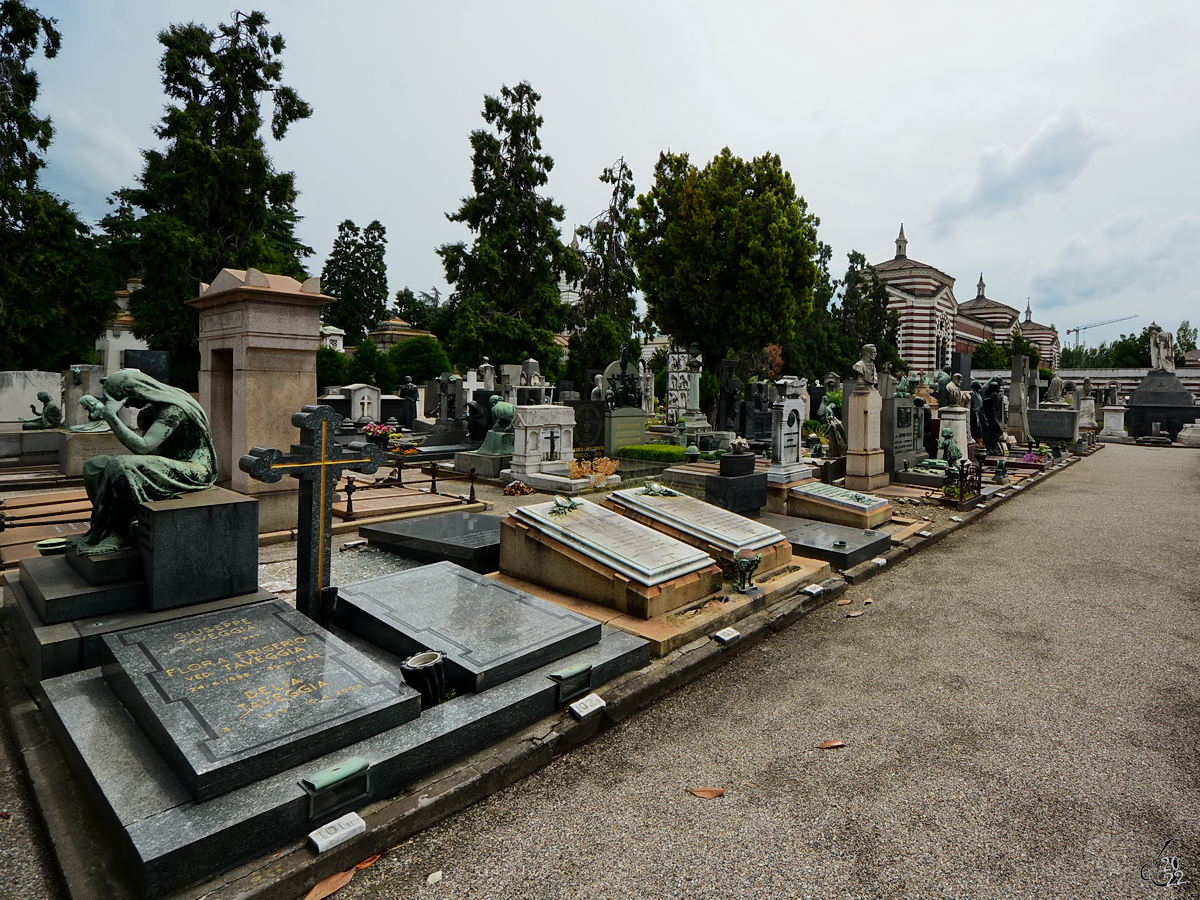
933, 323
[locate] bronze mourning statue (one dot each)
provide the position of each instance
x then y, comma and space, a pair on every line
173, 455
50, 417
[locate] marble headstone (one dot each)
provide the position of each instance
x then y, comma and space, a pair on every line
716, 526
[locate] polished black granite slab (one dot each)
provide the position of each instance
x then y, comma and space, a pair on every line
231, 697
170, 840
489, 632
818, 540
469, 539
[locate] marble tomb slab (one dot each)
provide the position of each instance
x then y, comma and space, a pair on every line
711, 528
489, 632
627, 547
231, 697
469, 539
830, 503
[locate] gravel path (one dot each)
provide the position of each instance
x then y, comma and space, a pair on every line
1019, 706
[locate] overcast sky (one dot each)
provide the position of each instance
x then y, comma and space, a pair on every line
1051, 146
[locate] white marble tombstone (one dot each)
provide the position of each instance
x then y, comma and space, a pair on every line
543, 438
789, 412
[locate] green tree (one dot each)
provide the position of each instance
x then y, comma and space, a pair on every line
423, 358
1018, 344
1185, 340
210, 197
56, 290
506, 298
1132, 351
356, 275
332, 368
427, 310
864, 315
607, 312
817, 347
369, 366
989, 355
727, 255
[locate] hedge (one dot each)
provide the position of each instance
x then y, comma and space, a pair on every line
657, 452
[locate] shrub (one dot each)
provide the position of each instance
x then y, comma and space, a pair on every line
332, 368
654, 452
421, 357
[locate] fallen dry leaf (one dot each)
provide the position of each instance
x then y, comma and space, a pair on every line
707, 793
851, 615
434, 877
868, 600
369, 861
831, 745
330, 885
843, 601
3, 813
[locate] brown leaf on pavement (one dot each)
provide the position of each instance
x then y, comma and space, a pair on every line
327, 886
831, 745
369, 861
706, 793
851, 615
868, 600
844, 601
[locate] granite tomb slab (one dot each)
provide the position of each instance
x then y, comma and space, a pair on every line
230, 698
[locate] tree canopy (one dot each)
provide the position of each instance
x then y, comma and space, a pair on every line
422, 358
727, 255
356, 275
607, 312
506, 296
989, 355
56, 290
210, 198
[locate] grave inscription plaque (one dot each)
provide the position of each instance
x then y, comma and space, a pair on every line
234, 696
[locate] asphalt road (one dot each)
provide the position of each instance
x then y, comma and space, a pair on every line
1020, 706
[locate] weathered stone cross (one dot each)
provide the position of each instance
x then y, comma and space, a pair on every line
318, 461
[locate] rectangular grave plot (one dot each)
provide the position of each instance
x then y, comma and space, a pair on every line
489, 632
469, 539
231, 697
688, 515
630, 548
838, 496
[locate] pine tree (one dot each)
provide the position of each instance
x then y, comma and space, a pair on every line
356, 275
506, 301
607, 312
210, 199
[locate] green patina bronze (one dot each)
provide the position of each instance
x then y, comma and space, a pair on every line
499, 441
173, 455
50, 417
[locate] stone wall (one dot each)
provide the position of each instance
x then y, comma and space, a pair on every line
19, 389
1129, 379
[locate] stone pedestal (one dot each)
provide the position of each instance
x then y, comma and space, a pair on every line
259, 336
623, 427
902, 426
865, 465
89, 385
955, 418
1087, 414
76, 448
1189, 435
1052, 424
1018, 400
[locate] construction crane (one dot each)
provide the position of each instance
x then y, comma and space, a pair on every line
1096, 325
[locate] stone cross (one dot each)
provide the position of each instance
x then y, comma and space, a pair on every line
318, 461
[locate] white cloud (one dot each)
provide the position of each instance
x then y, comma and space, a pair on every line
1123, 253
1005, 178
92, 155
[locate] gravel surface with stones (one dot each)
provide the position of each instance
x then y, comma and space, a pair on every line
1019, 709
